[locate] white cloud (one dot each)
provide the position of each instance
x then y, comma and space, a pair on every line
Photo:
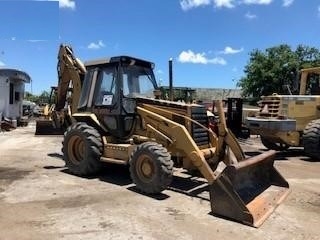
2, 64
97, 45
287, 3
319, 10
191, 57
64, 3
159, 71
67, 4
188, 4
13, 38
262, 2
217, 60
36, 40
250, 15
224, 3
230, 50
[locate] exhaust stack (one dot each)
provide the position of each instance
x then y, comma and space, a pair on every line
170, 80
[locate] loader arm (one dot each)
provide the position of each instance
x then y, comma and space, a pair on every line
225, 136
176, 136
228, 138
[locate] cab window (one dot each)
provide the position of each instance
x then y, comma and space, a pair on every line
106, 87
138, 82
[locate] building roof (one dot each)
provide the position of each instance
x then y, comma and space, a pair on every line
15, 74
209, 94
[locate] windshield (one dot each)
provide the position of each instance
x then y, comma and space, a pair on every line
138, 81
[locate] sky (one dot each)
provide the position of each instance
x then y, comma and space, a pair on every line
208, 40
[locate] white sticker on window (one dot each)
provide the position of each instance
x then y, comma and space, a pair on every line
107, 99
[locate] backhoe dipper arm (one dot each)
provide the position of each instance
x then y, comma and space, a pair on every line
70, 69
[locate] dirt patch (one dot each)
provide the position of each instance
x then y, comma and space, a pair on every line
73, 202
9, 175
175, 213
30, 218
309, 201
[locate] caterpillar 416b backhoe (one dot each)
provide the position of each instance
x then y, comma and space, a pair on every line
119, 119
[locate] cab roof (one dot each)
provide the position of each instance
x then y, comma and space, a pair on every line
117, 59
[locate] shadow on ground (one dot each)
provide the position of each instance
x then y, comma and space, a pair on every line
55, 155
110, 173
190, 186
284, 155
120, 175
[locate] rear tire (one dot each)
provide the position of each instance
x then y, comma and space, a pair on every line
311, 139
273, 145
82, 149
151, 167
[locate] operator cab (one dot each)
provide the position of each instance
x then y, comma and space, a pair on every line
110, 89
313, 84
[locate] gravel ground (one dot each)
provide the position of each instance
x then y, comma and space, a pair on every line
39, 199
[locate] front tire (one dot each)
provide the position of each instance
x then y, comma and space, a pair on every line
151, 167
311, 139
82, 149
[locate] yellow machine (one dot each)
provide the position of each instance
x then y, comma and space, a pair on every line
291, 120
65, 96
119, 120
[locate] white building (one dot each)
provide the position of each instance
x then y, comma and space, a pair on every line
12, 86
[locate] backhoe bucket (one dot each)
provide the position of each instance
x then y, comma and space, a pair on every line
249, 191
45, 127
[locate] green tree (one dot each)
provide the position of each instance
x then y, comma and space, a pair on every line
30, 97
276, 70
44, 97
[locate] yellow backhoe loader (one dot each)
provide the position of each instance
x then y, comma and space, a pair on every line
119, 119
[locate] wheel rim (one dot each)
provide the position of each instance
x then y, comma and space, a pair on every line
145, 168
76, 149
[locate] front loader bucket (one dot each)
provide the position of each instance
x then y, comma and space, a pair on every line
45, 127
249, 191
